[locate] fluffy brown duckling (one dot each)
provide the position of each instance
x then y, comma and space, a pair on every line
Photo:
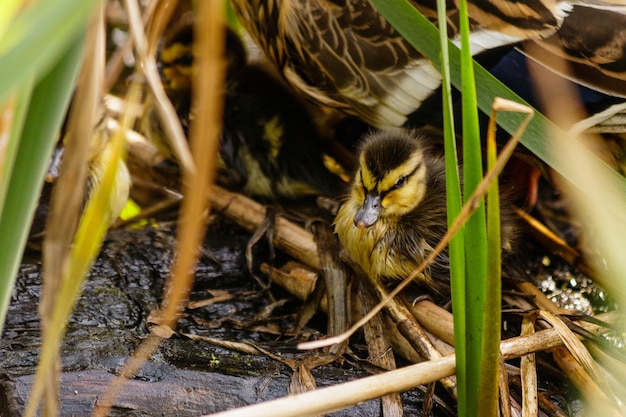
395, 213
271, 147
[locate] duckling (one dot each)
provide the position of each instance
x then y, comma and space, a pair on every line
270, 147
395, 213
99, 154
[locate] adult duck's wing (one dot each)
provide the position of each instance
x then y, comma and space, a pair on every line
521, 18
343, 54
593, 36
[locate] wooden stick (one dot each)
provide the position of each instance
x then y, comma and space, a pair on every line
249, 214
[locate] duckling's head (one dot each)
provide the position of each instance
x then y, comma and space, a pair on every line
391, 179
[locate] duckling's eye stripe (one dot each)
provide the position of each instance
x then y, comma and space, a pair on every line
365, 190
405, 178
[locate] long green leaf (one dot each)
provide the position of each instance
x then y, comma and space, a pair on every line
492, 317
48, 105
8, 260
456, 248
475, 228
37, 38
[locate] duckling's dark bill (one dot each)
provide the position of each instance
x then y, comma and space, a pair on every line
368, 214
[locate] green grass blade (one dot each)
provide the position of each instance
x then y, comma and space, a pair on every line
45, 113
9, 261
475, 228
37, 38
456, 248
492, 318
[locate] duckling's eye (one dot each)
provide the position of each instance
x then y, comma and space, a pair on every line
401, 181
185, 60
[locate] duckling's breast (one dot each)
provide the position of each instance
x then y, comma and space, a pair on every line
374, 248
392, 250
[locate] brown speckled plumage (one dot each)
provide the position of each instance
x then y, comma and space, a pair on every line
345, 55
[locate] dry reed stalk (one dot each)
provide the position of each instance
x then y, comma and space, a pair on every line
379, 345
68, 193
199, 172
